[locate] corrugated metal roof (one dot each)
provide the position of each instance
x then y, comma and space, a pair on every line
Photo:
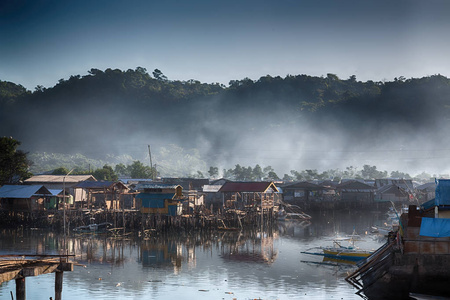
303, 185
22, 191
59, 178
247, 187
211, 188
431, 186
355, 185
142, 186
95, 184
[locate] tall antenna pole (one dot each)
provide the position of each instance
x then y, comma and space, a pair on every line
151, 164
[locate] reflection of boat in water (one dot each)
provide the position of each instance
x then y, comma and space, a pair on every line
328, 261
336, 261
294, 217
102, 227
220, 228
292, 213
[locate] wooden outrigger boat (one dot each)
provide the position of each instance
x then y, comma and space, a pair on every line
339, 252
346, 253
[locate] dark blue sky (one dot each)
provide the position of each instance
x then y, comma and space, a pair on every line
218, 41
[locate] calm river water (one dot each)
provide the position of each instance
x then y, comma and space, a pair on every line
225, 265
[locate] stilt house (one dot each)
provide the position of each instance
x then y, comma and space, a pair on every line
247, 195
158, 198
24, 197
107, 194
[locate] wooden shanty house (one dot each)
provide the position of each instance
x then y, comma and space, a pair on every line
56, 199
354, 193
192, 191
392, 193
68, 182
159, 198
425, 192
24, 197
405, 184
302, 193
103, 194
247, 195
213, 199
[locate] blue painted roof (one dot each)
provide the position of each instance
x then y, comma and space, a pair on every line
55, 192
22, 191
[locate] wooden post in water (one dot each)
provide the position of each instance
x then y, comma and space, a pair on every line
20, 289
58, 284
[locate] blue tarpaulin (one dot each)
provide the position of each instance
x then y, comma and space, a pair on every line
435, 227
443, 192
154, 200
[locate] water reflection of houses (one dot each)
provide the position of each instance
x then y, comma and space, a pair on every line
253, 246
161, 254
98, 249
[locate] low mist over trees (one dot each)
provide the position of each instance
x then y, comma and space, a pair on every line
107, 116
14, 168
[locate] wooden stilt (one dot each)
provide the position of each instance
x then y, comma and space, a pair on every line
20, 289
58, 285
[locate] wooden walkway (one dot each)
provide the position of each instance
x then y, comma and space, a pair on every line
18, 267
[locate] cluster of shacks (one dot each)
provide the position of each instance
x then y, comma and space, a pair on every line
174, 196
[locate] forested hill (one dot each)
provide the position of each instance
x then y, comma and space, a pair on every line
104, 111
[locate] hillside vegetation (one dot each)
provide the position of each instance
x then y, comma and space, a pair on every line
114, 112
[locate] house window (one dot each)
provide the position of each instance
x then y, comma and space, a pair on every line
299, 193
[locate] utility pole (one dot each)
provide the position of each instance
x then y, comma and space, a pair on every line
151, 164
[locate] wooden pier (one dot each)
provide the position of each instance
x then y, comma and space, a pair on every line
18, 267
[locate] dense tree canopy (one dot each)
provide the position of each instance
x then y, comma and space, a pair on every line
14, 163
112, 104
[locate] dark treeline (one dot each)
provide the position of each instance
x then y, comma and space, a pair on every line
91, 113
414, 101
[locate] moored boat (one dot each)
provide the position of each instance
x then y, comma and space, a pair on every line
338, 251
346, 253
